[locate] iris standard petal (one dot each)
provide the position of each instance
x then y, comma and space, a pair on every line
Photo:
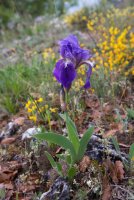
70, 39
67, 47
66, 52
81, 55
73, 39
70, 49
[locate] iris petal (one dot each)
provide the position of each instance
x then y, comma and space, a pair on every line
70, 39
89, 72
64, 73
66, 52
87, 84
57, 69
81, 55
68, 74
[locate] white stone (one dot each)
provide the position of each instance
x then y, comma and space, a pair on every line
30, 132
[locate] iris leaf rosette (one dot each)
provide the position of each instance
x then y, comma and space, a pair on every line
73, 56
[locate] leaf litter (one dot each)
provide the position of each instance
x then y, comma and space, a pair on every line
22, 171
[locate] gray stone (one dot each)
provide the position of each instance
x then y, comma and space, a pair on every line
29, 133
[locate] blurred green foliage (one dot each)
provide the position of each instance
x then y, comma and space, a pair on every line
29, 7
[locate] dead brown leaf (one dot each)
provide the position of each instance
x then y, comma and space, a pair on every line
35, 95
115, 128
8, 171
8, 140
54, 124
118, 126
107, 108
79, 119
96, 114
119, 169
14, 165
9, 186
92, 102
97, 129
9, 194
115, 170
106, 188
27, 187
19, 121
31, 183
5, 174
84, 164
110, 133
109, 165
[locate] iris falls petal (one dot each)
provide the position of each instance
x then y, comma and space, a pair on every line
68, 74
64, 72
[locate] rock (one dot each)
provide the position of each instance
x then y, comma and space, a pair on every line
99, 148
8, 140
9, 130
39, 19
30, 132
59, 190
19, 121
11, 25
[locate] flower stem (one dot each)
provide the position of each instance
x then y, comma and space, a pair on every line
63, 102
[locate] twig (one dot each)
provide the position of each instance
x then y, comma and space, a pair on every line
125, 190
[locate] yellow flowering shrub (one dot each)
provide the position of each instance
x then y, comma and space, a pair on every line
115, 40
111, 37
77, 18
115, 49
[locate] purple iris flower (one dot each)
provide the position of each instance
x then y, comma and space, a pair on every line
73, 56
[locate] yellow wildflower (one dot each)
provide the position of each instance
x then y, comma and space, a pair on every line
28, 104
40, 100
33, 118
46, 106
29, 110
33, 107
81, 82
41, 109
53, 110
45, 55
84, 18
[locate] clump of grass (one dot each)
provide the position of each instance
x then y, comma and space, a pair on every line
18, 81
130, 113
